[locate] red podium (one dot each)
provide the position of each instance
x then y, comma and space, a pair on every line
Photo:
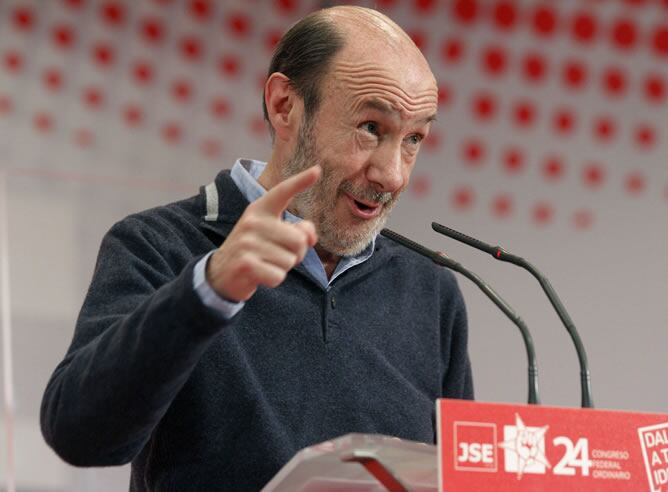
499, 447
485, 446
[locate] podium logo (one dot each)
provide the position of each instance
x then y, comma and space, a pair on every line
654, 444
524, 448
475, 446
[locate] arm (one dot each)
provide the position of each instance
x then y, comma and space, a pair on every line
143, 327
139, 335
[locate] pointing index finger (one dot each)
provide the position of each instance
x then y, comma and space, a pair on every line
277, 199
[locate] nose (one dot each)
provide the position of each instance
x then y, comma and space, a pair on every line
387, 169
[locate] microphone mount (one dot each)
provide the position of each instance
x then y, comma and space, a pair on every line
443, 260
502, 255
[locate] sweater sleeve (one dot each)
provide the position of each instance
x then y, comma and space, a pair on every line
141, 331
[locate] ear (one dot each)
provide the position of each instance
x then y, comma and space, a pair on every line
284, 106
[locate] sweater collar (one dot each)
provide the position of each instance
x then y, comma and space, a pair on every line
223, 204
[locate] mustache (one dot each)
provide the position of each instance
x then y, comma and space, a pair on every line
367, 194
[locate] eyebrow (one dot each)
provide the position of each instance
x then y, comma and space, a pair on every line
386, 108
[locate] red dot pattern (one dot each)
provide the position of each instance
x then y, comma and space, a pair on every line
113, 14
614, 80
420, 186
513, 160
200, 10
583, 219
152, 30
172, 133
494, 60
103, 54
463, 197
83, 138
553, 169
605, 129
524, 114
452, 50
575, 74
635, 183
211, 148
504, 14
220, 108
474, 152
542, 213
660, 41
624, 34
564, 121
133, 115
43, 122
93, 98
143, 72
645, 136
655, 88
593, 175
6, 105
584, 27
484, 106
502, 206
465, 11
23, 18
544, 21
535, 67
239, 25
64, 36
229, 66
209, 68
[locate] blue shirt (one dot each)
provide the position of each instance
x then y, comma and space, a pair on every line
245, 174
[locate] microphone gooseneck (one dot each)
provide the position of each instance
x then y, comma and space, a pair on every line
502, 255
441, 259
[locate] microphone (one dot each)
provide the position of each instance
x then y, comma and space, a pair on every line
443, 260
502, 255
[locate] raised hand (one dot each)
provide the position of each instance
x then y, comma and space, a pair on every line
262, 248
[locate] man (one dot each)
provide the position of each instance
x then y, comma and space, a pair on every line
220, 337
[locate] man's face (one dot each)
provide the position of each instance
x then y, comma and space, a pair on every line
341, 234
365, 135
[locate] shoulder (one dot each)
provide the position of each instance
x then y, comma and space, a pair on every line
163, 221
179, 216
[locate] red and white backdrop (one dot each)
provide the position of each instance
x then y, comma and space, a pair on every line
552, 140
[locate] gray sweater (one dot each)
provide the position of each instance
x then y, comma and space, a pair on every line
196, 402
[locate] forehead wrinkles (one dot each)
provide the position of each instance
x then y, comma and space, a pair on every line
363, 80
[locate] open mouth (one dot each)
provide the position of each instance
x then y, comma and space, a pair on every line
365, 210
362, 206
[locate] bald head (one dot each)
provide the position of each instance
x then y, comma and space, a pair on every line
359, 105
319, 42
360, 22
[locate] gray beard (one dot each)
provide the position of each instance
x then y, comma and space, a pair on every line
318, 203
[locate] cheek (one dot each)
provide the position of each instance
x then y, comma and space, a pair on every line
407, 168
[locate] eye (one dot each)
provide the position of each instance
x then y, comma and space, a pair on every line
370, 127
414, 139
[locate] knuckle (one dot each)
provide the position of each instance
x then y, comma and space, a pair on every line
246, 264
277, 279
293, 259
251, 222
245, 242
